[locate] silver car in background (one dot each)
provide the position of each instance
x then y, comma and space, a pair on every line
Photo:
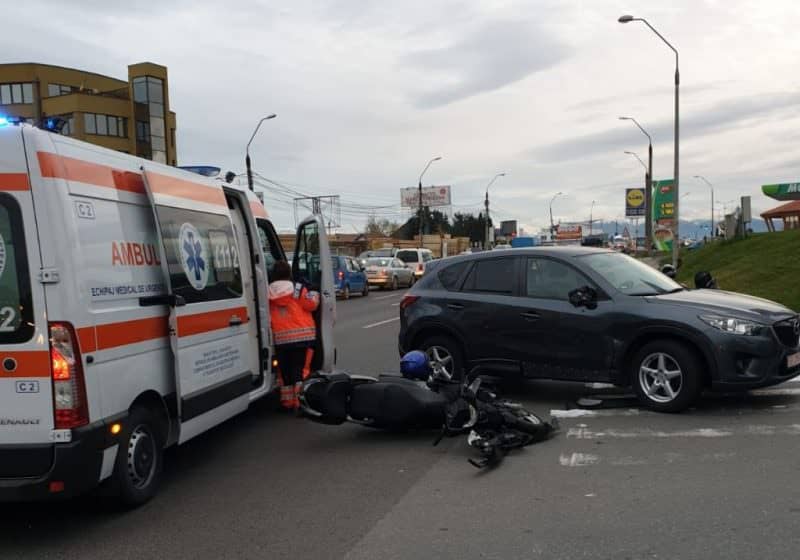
389, 272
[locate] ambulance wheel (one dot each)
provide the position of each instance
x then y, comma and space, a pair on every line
140, 458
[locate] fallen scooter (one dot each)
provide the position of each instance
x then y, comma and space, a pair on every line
426, 397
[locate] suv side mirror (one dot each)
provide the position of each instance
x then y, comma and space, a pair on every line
585, 296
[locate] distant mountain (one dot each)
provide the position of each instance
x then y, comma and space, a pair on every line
692, 229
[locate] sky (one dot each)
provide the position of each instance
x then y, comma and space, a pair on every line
367, 92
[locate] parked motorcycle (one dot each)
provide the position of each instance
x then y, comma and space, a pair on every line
424, 397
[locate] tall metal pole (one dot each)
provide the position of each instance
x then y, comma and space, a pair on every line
648, 186
487, 234
247, 151
591, 222
437, 158
676, 179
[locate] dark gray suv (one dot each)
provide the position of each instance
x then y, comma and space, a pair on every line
582, 314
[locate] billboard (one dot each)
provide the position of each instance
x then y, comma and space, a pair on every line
431, 196
569, 232
782, 191
634, 203
508, 228
663, 213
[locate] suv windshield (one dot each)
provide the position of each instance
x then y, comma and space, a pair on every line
16, 314
630, 276
408, 256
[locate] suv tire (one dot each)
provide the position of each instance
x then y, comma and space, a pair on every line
666, 376
447, 350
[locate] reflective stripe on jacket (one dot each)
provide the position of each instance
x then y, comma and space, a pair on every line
290, 313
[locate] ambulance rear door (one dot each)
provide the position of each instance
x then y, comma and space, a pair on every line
208, 317
26, 393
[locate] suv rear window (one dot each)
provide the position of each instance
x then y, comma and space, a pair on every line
408, 256
450, 276
16, 310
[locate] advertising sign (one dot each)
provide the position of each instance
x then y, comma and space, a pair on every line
569, 232
663, 214
508, 227
431, 196
782, 191
634, 203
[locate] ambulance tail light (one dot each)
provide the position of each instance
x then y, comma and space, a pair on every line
69, 387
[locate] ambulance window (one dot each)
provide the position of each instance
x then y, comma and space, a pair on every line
202, 255
16, 311
269, 244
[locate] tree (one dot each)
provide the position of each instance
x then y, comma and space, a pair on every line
381, 227
436, 222
469, 225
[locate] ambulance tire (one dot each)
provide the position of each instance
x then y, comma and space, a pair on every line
140, 458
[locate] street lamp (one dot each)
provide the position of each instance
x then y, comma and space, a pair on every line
488, 227
591, 221
710, 186
676, 231
437, 158
648, 190
552, 226
634, 154
247, 150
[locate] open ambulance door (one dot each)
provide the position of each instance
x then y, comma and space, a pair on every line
313, 266
208, 316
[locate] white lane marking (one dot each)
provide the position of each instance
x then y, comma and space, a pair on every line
396, 304
774, 392
379, 323
582, 412
387, 297
600, 386
578, 460
749, 430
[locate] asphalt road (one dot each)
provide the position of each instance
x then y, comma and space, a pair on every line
717, 482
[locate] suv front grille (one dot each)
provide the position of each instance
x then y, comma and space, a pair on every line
788, 332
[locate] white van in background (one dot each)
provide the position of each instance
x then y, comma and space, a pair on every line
133, 312
416, 259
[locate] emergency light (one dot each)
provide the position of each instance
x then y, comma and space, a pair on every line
6, 120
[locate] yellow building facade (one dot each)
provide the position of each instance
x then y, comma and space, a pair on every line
131, 116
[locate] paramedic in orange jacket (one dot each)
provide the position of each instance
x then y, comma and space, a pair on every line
294, 331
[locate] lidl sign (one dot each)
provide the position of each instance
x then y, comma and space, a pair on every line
634, 203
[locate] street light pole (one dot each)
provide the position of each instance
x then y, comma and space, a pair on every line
710, 186
247, 151
488, 227
676, 179
552, 226
437, 158
648, 189
591, 221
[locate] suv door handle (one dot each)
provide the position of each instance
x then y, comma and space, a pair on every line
531, 316
235, 321
455, 306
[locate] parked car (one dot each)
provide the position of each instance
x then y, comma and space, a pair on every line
385, 252
388, 272
417, 259
349, 277
582, 314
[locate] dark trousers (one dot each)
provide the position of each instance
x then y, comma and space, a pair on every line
294, 363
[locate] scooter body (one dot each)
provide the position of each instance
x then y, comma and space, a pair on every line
388, 401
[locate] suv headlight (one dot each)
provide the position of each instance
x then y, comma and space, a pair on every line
733, 325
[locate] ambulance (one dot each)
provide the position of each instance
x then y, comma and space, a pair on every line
133, 312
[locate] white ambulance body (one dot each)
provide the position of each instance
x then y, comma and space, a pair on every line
133, 312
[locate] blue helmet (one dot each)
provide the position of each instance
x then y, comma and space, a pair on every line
415, 365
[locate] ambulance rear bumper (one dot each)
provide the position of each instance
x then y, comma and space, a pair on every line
75, 467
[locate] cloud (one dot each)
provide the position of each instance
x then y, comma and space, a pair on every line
497, 54
724, 115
